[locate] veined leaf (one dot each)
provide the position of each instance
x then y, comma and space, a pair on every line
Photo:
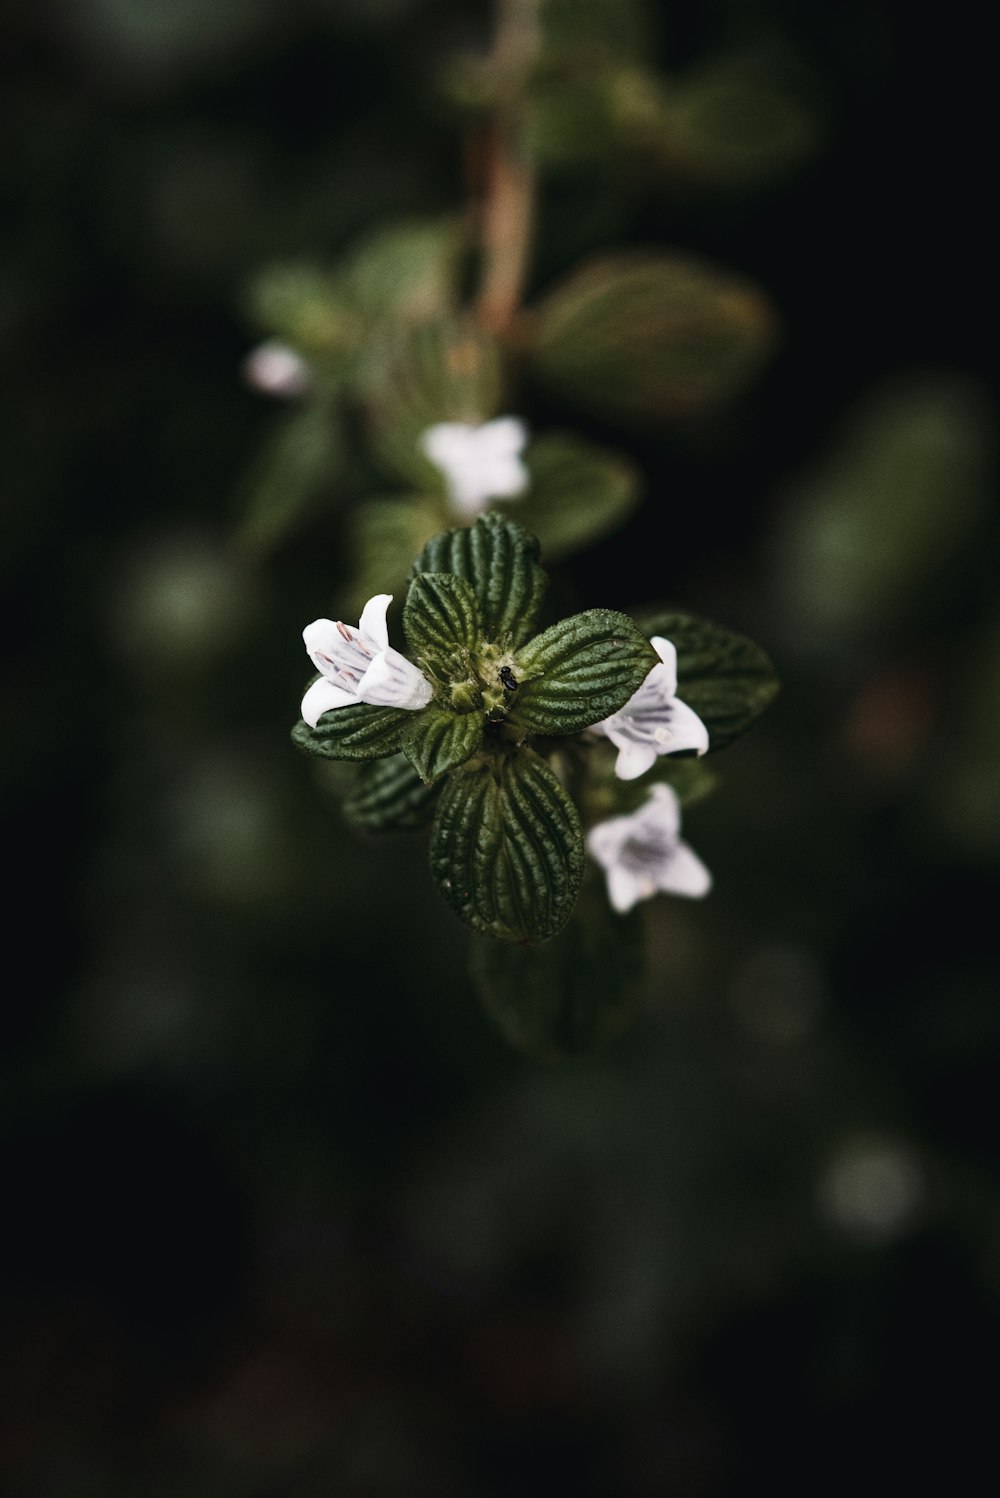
439, 739
441, 620
386, 535
580, 671
362, 732
507, 848
499, 560
645, 336
389, 796
726, 678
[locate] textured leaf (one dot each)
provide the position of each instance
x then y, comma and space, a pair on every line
726, 678
389, 796
439, 740
571, 995
644, 336
441, 620
580, 671
362, 732
499, 559
291, 474
507, 848
578, 492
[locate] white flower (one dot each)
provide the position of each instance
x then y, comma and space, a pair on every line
275, 369
653, 721
359, 665
643, 855
479, 463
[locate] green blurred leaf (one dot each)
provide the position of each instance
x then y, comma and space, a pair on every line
291, 474
439, 739
863, 537
507, 847
305, 305
726, 678
583, 36
386, 536
362, 732
643, 336
579, 671
573, 994
578, 492
499, 559
730, 122
406, 271
411, 378
442, 622
389, 796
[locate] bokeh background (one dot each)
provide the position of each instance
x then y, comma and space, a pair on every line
284, 1212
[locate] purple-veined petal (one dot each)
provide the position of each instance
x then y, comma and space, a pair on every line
393, 681
667, 652
373, 624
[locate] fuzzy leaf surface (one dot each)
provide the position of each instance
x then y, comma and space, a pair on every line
579, 671
389, 796
362, 732
442, 621
726, 678
439, 740
507, 848
498, 558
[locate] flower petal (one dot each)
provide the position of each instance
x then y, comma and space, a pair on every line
393, 681
322, 697
504, 436
633, 759
685, 874
624, 890
667, 652
686, 728
373, 623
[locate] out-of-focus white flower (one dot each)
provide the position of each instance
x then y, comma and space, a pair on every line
479, 463
359, 665
642, 854
653, 721
275, 369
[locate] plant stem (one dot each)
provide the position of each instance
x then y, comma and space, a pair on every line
507, 211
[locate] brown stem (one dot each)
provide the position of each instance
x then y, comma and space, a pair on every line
507, 211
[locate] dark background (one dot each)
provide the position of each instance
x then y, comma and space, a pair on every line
283, 1212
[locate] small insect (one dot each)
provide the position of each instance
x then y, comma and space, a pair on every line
508, 678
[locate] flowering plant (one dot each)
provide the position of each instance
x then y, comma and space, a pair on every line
500, 732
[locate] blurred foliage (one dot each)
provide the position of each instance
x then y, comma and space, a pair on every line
283, 1214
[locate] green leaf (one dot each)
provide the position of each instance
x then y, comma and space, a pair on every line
386, 535
406, 271
305, 305
643, 336
448, 370
389, 796
442, 622
732, 123
579, 671
439, 740
499, 559
578, 492
362, 732
575, 993
507, 848
726, 678
290, 476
